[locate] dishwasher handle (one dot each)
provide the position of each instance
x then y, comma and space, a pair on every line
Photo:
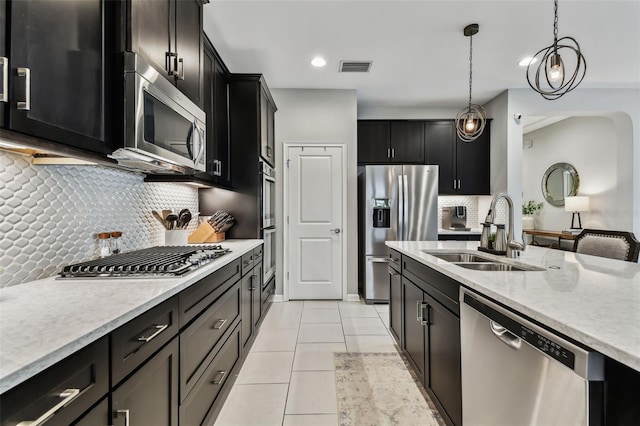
507, 337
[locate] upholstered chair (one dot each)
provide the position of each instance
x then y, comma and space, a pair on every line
612, 244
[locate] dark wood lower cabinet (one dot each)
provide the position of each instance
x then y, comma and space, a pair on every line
413, 328
395, 304
97, 416
150, 395
256, 295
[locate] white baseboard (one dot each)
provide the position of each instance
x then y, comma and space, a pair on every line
353, 297
278, 298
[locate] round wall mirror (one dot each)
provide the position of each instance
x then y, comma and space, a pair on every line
559, 181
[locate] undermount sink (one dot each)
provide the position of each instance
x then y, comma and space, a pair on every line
497, 267
460, 257
479, 263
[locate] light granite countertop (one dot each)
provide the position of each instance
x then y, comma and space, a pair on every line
593, 300
472, 231
44, 321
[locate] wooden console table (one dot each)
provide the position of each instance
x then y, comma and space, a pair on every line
551, 234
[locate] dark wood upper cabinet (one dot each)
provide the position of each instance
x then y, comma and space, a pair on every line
214, 104
464, 166
57, 71
373, 142
407, 142
473, 165
168, 35
439, 144
390, 142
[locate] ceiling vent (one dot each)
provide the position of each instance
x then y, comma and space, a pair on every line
355, 66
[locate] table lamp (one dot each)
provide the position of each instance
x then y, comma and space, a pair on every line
575, 205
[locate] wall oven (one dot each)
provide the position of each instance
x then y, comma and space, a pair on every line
268, 195
163, 130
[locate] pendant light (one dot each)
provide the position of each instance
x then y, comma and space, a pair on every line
470, 121
554, 82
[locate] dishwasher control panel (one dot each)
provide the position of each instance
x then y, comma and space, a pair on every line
546, 345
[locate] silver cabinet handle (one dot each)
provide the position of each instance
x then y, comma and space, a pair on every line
181, 66
125, 413
251, 286
393, 153
419, 310
428, 320
454, 184
219, 377
159, 328
335, 231
388, 152
392, 271
219, 323
379, 260
68, 394
4, 95
505, 335
459, 186
26, 104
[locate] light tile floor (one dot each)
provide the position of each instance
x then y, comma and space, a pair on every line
288, 377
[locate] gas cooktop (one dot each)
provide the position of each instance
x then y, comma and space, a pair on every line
167, 261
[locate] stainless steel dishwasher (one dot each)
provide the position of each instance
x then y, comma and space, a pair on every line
517, 373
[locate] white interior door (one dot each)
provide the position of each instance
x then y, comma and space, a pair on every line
315, 201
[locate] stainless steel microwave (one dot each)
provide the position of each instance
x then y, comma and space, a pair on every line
164, 131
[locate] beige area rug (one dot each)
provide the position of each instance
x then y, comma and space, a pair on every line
376, 389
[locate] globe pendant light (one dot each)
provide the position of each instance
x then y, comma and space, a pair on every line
554, 82
470, 121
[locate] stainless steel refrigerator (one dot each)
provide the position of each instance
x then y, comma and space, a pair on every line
398, 203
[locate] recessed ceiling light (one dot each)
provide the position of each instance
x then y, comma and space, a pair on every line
526, 61
318, 62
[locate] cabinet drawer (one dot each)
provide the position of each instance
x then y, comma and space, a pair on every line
268, 291
197, 408
248, 260
444, 289
257, 254
198, 341
137, 340
66, 389
198, 296
395, 260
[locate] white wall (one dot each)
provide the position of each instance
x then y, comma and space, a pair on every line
319, 116
396, 113
590, 145
621, 105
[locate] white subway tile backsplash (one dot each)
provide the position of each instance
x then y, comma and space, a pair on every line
49, 215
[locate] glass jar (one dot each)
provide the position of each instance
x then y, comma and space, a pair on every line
104, 246
116, 246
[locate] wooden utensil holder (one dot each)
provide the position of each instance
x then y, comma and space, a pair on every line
205, 234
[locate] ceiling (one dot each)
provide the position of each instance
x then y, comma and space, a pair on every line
420, 56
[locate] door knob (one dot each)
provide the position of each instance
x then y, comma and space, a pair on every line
337, 230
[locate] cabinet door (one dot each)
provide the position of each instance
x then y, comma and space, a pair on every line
57, 72
150, 396
407, 142
3, 57
245, 295
97, 416
188, 36
395, 304
221, 123
256, 302
413, 328
439, 144
444, 358
373, 142
152, 27
208, 101
473, 165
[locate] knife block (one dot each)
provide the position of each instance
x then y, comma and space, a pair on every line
205, 234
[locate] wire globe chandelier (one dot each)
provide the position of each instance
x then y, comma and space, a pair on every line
470, 121
554, 82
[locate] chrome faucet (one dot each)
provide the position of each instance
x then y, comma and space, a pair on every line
513, 247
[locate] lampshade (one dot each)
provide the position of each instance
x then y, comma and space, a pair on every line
576, 204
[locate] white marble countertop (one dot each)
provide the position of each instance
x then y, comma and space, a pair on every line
443, 231
593, 300
44, 321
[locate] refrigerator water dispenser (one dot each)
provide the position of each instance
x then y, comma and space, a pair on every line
381, 213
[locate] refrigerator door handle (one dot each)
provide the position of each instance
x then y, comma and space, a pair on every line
400, 209
405, 208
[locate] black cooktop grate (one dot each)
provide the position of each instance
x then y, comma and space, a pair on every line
167, 261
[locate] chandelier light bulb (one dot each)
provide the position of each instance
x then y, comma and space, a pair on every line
470, 124
555, 74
